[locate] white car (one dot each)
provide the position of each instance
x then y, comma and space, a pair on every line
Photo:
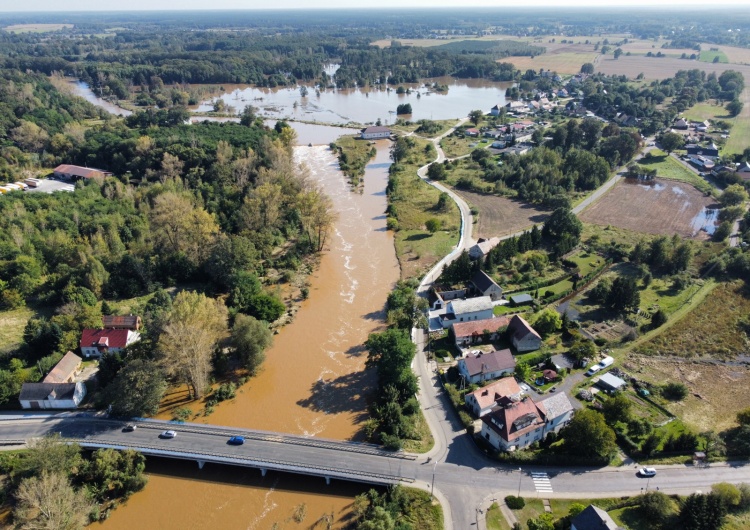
168, 434
524, 387
647, 472
593, 370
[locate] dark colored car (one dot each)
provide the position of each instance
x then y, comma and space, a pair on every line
236, 440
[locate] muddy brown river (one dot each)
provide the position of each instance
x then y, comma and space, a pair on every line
313, 381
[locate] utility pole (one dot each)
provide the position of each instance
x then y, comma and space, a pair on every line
432, 488
520, 475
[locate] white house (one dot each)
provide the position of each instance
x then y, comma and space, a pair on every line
373, 133
486, 366
517, 424
479, 308
95, 342
523, 336
51, 395
483, 400
495, 111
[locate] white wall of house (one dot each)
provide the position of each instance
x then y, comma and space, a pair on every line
494, 292
78, 396
478, 378
497, 441
375, 135
468, 317
528, 343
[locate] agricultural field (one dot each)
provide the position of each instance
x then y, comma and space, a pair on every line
722, 335
563, 63
711, 56
739, 140
660, 67
660, 208
670, 168
717, 391
36, 28
500, 216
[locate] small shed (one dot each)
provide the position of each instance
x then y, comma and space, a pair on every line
521, 299
610, 382
549, 375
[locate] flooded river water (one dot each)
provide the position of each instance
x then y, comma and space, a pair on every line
313, 381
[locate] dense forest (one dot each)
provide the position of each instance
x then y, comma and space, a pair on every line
218, 207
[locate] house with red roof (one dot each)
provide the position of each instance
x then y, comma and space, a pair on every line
96, 342
515, 425
483, 400
479, 331
71, 172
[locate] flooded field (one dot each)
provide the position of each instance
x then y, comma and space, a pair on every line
661, 207
365, 105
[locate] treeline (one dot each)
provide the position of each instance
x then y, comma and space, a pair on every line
607, 96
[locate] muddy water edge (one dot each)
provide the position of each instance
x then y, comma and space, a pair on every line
313, 381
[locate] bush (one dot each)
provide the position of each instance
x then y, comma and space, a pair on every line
674, 391
391, 442
225, 391
515, 503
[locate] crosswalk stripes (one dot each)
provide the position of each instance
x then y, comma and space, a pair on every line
541, 482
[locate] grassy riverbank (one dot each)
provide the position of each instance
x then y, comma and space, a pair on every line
353, 154
413, 207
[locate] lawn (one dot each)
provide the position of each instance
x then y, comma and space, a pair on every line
12, 324
713, 56
453, 146
560, 508
706, 111
739, 140
668, 168
413, 202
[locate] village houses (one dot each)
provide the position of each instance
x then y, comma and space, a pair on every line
480, 366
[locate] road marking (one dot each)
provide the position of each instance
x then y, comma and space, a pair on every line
541, 482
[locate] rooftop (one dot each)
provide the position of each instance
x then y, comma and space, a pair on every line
484, 363
611, 380
41, 391
478, 327
471, 305
490, 394
520, 328
64, 369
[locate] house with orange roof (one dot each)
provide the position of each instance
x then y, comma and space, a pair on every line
483, 400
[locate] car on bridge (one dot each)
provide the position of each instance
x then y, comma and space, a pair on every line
236, 440
647, 472
168, 434
130, 427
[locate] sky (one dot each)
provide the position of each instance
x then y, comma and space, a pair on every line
144, 5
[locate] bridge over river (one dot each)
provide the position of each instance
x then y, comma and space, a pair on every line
461, 478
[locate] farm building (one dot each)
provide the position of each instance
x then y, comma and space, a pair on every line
486, 286
593, 518
482, 247
65, 371
70, 172
521, 299
373, 133
523, 336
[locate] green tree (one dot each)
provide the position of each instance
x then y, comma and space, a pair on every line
734, 107
562, 230
617, 409
702, 512
575, 509
544, 522
251, 338
657, 507
582, 349
111, 474
671, 141
587, 68
623, 295
617, 53
723, 231
475, 116
137, 389
436, 171
547, 321
523, 370
658, 319
432, 225
50, 454
194, 327
674, 391
728, 493
588, 435
404, 108
651, 443
743, 416
391, 352
733, 195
